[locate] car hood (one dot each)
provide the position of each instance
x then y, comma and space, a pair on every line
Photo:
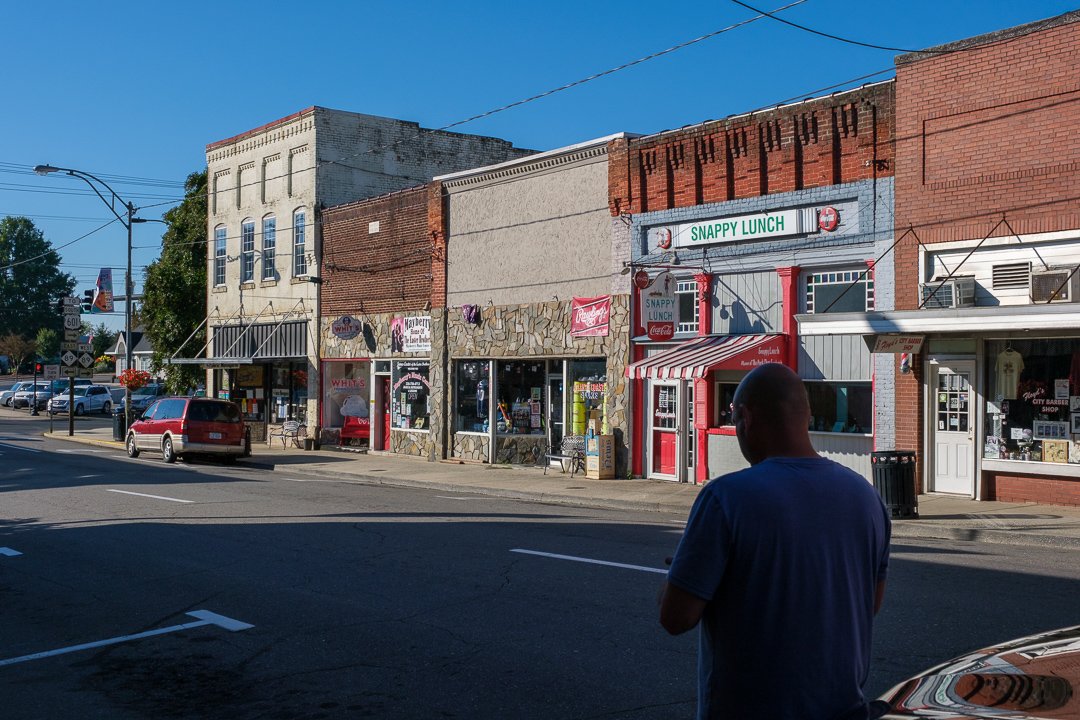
1030, 678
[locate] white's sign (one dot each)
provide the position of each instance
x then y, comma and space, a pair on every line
738, 228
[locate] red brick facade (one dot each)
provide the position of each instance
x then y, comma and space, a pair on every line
826, 141
377, 272
986, 129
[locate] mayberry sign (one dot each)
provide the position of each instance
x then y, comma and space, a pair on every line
589, 316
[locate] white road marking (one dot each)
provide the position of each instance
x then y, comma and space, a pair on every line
83, 477
448, 497
9, 552
80, 451
19, 447
205, 618
156, 497
642, 568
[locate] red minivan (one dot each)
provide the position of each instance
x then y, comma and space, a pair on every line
185, 426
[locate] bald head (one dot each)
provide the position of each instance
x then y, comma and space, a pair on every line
772, 414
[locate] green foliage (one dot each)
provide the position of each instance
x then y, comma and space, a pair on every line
104, 339
31, 281
48, 343
17, 347
174, 293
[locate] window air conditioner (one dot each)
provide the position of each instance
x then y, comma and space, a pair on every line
1055, 285
954, 293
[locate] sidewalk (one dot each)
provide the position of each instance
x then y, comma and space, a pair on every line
941, 516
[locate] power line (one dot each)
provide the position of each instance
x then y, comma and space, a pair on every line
5, 268
771, 16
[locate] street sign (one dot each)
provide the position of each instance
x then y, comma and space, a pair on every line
85, 372
69, 345
72, 335
68, 358
84, 347
52, 372
86, 359
72, 301
72, 322
69, 371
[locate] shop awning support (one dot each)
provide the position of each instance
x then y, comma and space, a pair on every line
193, 333
289, 313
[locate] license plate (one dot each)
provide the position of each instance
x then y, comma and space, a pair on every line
215, 436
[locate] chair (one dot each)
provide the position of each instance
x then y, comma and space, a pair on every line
571, 453
289, 431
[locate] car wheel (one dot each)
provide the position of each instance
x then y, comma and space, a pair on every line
167, 453
78, 410
106, 408
132, 450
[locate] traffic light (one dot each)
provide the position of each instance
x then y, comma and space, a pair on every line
38, 369
88, 300
60, 306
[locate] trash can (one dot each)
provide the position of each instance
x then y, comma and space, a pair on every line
894, 479
119, 425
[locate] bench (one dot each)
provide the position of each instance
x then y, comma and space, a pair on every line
288, 432
355, 428
571, 452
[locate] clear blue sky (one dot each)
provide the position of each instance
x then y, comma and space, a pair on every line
138, 89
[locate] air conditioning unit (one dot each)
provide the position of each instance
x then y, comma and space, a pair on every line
1055, 285
953, 293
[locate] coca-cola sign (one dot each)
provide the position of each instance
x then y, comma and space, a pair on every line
659, 308
589, 316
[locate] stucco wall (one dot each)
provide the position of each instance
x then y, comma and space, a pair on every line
530, 238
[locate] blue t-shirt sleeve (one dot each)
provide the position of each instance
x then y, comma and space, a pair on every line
700, 560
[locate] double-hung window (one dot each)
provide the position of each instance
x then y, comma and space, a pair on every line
269, 247
840, 291
219, 255
299, 244
247, 251
686, 297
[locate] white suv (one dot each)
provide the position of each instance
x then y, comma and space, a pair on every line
88, 398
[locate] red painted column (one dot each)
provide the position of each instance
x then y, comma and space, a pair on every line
703, 397
637, 388
789, 282
704, 300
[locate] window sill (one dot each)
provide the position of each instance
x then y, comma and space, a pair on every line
299, 279
471, 432
249, 285
268, 283
221, 288
1032, 467
830, 433
724, 430
410, 430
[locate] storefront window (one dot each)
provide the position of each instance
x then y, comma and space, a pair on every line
248, 392
588, 384
345, 391
410, 395
288, 392
472, 395
520, 400
1033, 400
725, 398
841, 407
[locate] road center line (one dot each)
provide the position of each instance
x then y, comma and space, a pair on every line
572, 558
205, 617
19, 447
156, 497
83, 477
9, 552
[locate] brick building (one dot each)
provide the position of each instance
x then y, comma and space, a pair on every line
268, 187
988, 240
735, 228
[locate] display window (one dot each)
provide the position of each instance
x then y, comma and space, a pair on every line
588, 385
520, 397
1033, 400
472, 395
345, 391
288, 392
841, 407
410, 395
248, 391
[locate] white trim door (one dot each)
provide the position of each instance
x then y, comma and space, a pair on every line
663, 429
951, 414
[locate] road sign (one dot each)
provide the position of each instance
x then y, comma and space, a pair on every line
84, 347
69, 345
85, 372
86, 359
69, 371
52, 372
72, 301
72, 335
72, 322
68, 358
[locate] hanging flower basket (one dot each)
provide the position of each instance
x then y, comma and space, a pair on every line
134, 379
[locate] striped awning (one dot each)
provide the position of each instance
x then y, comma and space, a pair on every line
693, 360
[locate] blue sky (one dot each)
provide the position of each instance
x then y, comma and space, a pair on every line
138, 89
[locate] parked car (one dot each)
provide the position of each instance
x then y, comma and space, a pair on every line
185, 426
60, 387
26, 396
1032, 678
88, 399
7, 395
141, 398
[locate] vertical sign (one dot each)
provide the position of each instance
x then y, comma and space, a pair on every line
660, 308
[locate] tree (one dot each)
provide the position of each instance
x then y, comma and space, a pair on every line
102, 338
47, 342
17, 347
174, 293
30, 279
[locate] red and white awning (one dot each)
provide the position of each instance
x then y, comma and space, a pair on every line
693, 360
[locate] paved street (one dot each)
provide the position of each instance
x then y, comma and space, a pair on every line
368, 601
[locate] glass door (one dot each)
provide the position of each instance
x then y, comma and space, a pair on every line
556, 408
664, 438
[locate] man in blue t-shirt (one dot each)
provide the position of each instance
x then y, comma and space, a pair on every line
784, 565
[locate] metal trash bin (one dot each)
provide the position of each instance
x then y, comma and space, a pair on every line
894, 479
119, 425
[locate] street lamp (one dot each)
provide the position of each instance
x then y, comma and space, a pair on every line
127, 219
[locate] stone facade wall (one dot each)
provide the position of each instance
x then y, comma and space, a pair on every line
411, 442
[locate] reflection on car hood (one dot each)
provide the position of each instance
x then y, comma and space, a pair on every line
1030, 678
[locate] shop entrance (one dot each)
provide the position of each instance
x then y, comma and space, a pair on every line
952, 427
664, 433
555, 419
